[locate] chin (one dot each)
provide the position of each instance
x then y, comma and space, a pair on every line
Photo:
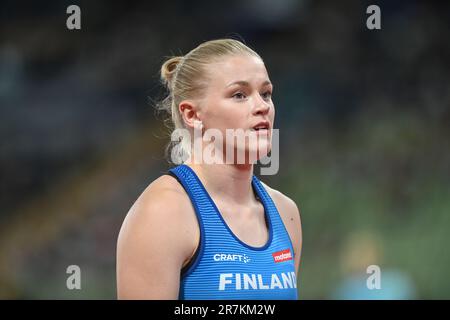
255, 154
249, 153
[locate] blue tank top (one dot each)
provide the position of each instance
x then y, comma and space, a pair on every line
223, 266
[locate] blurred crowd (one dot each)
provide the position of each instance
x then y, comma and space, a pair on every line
364, 128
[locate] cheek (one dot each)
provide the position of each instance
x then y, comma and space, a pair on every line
233, 121
225, 115
220, 118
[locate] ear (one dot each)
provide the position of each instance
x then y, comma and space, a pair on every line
189, 113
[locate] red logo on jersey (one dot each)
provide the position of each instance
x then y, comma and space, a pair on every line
283, 255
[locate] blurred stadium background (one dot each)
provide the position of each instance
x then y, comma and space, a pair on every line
363, 116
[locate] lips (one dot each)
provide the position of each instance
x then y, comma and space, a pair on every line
263, 125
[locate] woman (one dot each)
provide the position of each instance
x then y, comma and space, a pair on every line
213, 231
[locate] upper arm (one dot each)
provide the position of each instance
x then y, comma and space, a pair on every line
292, 221
153, 244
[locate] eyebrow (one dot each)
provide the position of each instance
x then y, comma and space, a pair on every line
246, 84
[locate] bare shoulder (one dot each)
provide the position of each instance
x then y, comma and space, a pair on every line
290, 214
289, 207
161, 223
164, 198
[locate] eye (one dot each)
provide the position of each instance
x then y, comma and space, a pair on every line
267, 95
239, 95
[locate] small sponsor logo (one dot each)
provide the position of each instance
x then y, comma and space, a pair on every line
283, 255
231, 257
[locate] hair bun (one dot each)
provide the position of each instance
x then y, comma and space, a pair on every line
168, 70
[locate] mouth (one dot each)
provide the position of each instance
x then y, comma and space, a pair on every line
263, 126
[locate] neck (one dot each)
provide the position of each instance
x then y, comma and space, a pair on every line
232, 181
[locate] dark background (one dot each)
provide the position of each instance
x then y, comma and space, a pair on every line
363, 118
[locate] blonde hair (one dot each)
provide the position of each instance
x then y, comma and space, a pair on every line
185, 77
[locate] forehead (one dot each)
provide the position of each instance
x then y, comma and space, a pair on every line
238, 68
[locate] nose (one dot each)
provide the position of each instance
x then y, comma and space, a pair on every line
261, 106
